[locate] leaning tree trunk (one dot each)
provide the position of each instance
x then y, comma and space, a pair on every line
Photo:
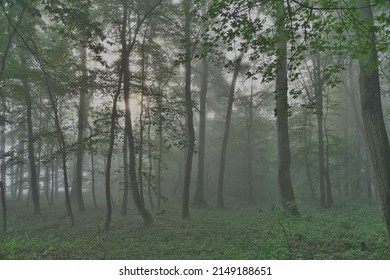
371, 104
283, 139
62, 147
222, 163
125, 61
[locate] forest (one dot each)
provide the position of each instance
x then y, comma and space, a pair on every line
195, 129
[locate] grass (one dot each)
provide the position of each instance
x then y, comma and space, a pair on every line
348, 232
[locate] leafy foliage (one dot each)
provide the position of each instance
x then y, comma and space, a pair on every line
354, 232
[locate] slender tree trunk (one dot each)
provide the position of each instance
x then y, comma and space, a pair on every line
110, 152
3, 167
62, 146
141, 121
82, 121
328, 184
306, 153
125, 53
249, 148
93, 180
189, 114
368, 176
222, 162
52, 182
282, 107
47, 182
199, 199
370, 97
125, 198
109, 158
56, 178
318, 86
4, 206
159, 163
21, 170
150, 160
346, 162
34, 186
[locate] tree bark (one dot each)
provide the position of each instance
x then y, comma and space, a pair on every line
371, 104
34, 186
318, 86
21, 170
189, 113
82, 121
4, 206
125, 198
150, 159
282, 107
199, 199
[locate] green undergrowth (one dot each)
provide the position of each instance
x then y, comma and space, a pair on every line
347, 232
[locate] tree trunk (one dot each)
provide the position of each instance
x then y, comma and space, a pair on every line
82, 120
3, 167
62, 146
34, 186
249, 148
318, 86
150, 160
189, 113
93, 181
306, 153
282, 107
370, 97
125, 53
21, 170
160, 152
125, 198
222, 162
199, 199
4, 206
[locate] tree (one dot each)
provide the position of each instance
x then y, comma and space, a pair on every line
221, 174
4, 206
34, 186
199, 199
282, 108
127, 46
83, 109
189, 114
371, 104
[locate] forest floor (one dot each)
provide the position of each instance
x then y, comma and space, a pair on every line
353, 231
